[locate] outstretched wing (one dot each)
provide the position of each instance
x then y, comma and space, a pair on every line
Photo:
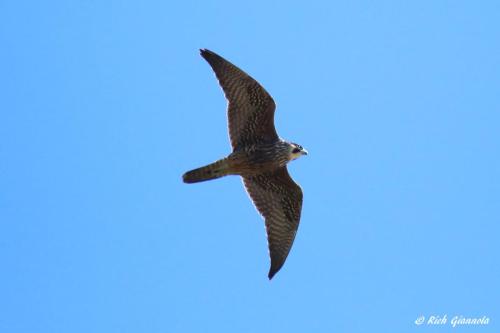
279, 199
250, 108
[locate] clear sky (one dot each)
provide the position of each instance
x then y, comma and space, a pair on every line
105, 104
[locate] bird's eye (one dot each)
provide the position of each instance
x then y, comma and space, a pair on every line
296, 150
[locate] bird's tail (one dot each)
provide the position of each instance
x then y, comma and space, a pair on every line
212, 171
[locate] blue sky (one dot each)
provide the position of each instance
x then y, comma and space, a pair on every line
105, 104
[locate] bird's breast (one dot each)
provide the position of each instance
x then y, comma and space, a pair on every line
257, 160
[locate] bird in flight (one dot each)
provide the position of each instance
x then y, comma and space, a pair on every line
259, 156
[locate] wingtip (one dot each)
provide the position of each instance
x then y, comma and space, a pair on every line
205, 52
272, 273
210, 56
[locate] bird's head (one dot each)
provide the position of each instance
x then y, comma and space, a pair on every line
296, 151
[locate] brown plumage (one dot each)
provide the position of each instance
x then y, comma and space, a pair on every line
259, 156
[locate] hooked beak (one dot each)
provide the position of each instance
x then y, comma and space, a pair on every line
304, 152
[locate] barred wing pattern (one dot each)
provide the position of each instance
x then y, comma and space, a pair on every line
250, 107
279, 199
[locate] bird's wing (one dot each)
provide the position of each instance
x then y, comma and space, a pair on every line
250, 108
279, 199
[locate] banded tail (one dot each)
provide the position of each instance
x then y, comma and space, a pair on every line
212, 171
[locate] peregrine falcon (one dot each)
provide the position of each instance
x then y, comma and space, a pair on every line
259, 156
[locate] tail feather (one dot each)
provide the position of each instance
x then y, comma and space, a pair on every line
212, 171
